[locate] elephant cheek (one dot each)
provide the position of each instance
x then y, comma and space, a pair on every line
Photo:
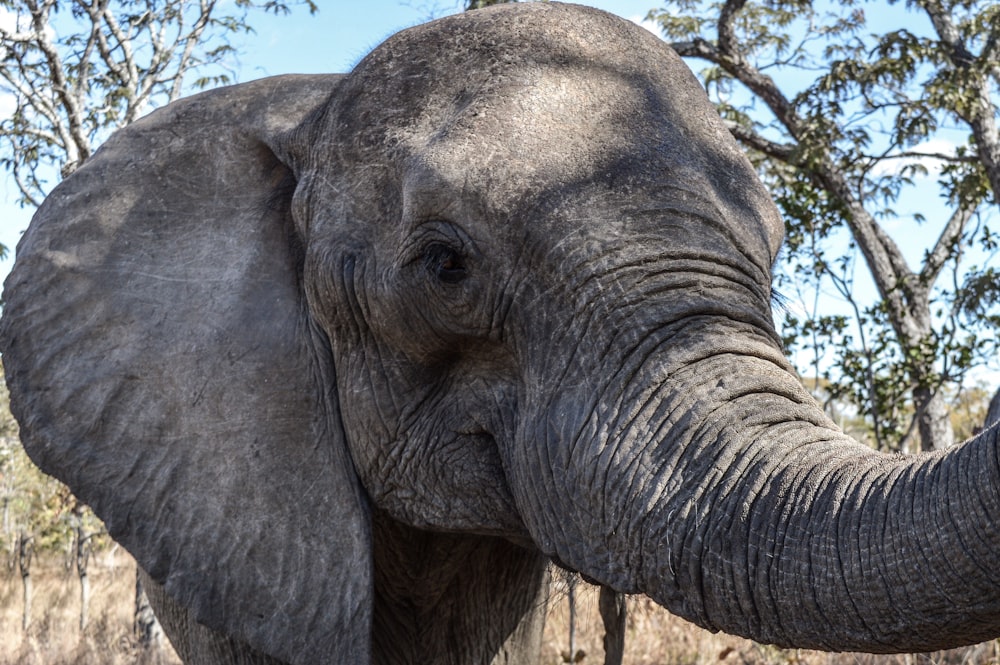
423, 453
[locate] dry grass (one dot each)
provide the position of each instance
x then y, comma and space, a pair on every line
653, 636
54, 637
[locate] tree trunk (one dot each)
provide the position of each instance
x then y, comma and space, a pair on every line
612, 607
146, 628
83, 548
26, 615
933, 419
26, 552
993, 415
569, 656
84, 601
10, 552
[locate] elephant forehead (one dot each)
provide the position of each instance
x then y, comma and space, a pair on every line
532, 106
558, 127
595, 143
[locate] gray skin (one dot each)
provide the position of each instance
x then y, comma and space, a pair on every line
345, 361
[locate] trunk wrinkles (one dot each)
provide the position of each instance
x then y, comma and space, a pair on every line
762, 519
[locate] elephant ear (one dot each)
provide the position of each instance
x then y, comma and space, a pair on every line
162, 362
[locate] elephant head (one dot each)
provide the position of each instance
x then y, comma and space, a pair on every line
323, 351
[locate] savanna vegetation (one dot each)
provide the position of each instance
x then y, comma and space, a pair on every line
652, 637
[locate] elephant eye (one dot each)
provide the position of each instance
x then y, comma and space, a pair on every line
445, 263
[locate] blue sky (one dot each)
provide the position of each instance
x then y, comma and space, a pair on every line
332, 40
344, 31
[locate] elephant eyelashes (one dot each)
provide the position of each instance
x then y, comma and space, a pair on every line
445, 263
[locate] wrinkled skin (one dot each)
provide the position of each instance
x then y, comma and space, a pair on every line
344, 362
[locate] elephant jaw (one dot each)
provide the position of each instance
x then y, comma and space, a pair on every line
729, 498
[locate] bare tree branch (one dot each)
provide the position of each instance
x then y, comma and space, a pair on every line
126, 55
918, 154
727, 37
782, 152
944, 248
78, 145
888, 265
120, 70
184, 62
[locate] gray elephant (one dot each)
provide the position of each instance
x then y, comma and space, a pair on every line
346, 361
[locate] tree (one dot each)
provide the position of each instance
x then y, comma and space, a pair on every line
844, 125
32, 502
39, 513
993, 413
78, 69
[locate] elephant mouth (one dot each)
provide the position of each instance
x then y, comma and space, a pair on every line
559, 563
475, 432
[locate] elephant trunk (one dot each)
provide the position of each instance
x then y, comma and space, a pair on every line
715, 485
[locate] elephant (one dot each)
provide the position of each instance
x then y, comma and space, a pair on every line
348, 362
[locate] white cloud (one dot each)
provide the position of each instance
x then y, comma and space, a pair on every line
8, 103
14, 23
8, 20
